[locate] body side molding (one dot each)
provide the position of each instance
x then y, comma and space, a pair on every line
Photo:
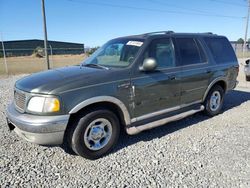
110, 99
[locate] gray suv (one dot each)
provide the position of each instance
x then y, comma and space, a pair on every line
131, 83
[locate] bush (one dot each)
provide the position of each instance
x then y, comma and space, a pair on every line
38, 52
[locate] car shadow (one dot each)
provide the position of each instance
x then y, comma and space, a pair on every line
232, 99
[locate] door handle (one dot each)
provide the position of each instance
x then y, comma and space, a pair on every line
208, 71
172, 77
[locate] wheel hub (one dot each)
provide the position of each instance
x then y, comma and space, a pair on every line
215, 101
97, 134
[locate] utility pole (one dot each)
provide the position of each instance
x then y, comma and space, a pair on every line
4, 56
246, 31
51, 54
45, 35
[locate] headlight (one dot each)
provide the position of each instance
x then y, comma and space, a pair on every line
44, 104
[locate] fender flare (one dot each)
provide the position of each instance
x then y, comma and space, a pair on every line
110, 99
212, 84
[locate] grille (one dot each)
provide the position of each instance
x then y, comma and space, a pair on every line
20, 101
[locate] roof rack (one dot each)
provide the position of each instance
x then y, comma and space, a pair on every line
159, 32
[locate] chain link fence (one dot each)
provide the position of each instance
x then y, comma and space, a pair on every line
240, 50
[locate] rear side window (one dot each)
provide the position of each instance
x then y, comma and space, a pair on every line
221, 49
189, 51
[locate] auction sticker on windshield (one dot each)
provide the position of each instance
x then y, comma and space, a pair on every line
135, 43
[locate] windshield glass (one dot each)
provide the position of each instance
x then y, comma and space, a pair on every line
116, 53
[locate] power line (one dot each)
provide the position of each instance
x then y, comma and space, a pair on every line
153, 10
179, 7
229, 3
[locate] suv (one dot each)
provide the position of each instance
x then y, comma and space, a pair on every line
134, 83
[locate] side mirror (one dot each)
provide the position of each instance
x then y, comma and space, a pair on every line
149, 64
247, 62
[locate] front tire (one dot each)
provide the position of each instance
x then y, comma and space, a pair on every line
214, 101
94, 133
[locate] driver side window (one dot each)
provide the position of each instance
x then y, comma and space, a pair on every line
162, 51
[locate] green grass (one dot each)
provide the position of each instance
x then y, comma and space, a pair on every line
243, 55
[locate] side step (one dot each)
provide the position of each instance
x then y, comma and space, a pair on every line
137, 129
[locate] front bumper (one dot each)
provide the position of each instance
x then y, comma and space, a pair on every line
44, 130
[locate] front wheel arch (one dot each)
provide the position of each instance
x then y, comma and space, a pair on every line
71, 137
100, 105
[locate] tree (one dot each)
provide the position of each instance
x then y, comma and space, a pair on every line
240, 40
92, 50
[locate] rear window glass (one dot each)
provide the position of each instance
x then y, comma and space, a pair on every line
188, 51
221, 49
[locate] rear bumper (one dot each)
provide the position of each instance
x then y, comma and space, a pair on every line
44, 130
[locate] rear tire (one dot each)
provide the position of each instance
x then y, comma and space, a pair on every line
94, 134
214, 101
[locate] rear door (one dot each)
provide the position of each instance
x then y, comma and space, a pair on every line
195, 74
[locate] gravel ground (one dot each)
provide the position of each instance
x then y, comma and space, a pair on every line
193, 152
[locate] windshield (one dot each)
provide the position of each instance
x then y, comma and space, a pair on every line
115, 53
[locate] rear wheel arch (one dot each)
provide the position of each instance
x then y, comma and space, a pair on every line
219, 81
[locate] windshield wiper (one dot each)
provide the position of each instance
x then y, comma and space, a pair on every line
95, 66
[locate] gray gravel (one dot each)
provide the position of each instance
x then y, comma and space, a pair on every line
194, 152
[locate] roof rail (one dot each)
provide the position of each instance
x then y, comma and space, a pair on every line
159, 32
209, 33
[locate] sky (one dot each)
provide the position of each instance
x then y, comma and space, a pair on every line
93, 22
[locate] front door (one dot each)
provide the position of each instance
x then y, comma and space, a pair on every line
160, 89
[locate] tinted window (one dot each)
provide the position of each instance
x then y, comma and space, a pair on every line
162, 51
188, 51
221, 49
202, 53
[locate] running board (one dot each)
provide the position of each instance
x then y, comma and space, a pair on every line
137, 129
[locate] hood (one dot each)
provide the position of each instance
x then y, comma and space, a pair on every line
67, 77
